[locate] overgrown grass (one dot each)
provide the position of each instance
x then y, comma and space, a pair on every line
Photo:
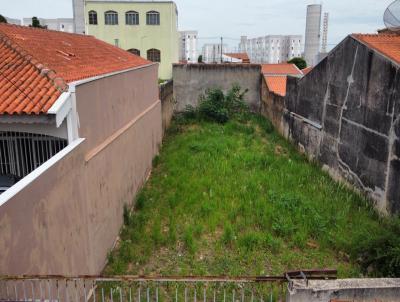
237, 199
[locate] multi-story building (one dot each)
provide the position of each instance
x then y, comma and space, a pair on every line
59, 24
148, 29
313, 34
212, 53
272, 49
188, 46
13, 21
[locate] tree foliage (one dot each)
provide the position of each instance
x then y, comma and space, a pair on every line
299, 62
36, 23
3, 19
200, 59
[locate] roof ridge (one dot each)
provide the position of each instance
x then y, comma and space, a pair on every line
50, 74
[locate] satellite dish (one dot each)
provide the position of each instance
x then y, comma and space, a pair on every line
392, 16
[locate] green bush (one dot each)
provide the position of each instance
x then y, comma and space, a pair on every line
215, 106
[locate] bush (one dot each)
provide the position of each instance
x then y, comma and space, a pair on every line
215, 106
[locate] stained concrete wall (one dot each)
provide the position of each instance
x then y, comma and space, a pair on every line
167, 103
192, 80
345, 114
66, 220
346, 290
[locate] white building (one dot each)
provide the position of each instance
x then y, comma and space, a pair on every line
212, 52
13, 21
78, 7
313, 34
272, 49
188, 46
59, 24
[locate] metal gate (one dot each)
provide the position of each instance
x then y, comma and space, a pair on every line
21, 153
154, 289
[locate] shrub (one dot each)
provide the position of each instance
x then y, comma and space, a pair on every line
228, 236
215, 106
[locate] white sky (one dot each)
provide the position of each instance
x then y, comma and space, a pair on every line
233, 18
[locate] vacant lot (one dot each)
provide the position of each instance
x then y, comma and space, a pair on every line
237, 199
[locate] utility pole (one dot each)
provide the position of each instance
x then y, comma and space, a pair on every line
222, 39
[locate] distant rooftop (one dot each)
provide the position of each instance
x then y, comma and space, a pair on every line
280, 69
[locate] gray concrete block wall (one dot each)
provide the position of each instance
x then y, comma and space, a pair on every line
192, 80
345, 114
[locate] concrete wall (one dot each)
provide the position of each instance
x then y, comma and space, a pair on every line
66, 220
350, 290
345, 114
191, 80
167, 103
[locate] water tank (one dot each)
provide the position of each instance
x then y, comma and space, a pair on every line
313, 34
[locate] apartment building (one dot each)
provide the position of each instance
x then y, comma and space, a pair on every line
59, 24
13, 21
272, 49
212, 53
188, 46
148, 29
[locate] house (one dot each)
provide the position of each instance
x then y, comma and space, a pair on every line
60, 24
80, 122
345, 114
148, 29
236, 58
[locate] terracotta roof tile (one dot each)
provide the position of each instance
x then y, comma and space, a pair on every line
306, 70
36, 65
276, 84
280, 69
386, 44
241, 56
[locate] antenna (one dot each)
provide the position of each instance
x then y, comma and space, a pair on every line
391, 17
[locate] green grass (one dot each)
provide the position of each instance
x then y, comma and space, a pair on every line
237, 199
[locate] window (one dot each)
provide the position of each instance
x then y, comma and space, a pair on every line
154, 55
111, 18
92, 17
116, 42
132, 18
134, 51
153, 18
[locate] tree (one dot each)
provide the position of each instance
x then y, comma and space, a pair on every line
200, 59
3, 19
36, 23
299, 62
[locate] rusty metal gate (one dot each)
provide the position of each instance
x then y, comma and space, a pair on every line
153, 289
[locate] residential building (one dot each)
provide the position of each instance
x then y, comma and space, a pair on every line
80, 123
236, 58
13, 21
275, 76
313, 34
345, 114
59, 24
78, 8
148, 29
188, 46
212, 53
272, 49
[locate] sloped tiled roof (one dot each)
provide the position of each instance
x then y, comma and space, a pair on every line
386, 44
280, 69
276, 84
241, 56
306, 70
36, 65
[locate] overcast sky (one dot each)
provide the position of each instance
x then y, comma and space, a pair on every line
233, 18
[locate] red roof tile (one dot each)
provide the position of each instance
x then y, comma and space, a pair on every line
306, 70
386, 44
283, 68
241, 56
37, 64
276, 84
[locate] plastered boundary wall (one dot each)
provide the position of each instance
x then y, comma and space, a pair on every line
346, 290
66, 220
192, 80
345, 115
